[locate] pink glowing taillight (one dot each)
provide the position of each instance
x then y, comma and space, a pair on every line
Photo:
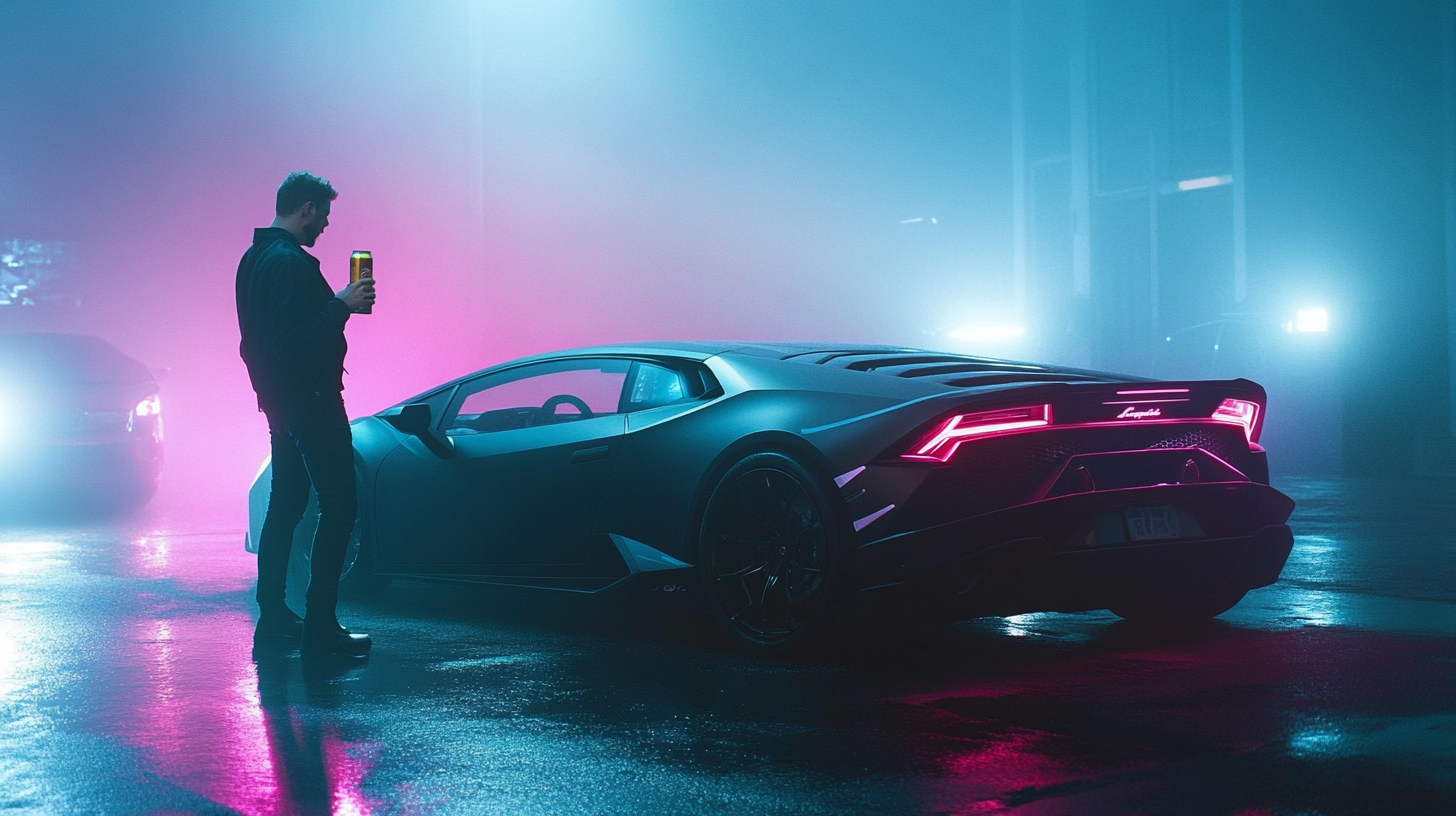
1238, 412
941, 444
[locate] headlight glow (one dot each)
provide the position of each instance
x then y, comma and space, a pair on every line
151, 406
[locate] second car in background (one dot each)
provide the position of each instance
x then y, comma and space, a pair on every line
80, 424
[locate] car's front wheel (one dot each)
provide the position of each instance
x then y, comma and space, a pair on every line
774, 555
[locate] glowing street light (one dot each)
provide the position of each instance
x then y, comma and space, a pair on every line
1204, 183
987, 332
1308, 320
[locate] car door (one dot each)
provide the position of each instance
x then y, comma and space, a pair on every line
533, 447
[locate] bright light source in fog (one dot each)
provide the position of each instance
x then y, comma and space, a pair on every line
1206, 181
1309, 320
987, 332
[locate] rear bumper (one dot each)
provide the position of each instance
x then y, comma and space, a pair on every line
1040, 557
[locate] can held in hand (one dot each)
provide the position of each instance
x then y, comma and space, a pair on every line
361, 265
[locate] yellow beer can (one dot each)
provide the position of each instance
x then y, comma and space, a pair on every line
361, 265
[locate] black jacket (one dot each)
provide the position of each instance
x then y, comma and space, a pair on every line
292, 325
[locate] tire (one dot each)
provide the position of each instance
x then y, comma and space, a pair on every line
774, 555
1173, 609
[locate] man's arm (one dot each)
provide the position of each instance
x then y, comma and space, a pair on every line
297, 327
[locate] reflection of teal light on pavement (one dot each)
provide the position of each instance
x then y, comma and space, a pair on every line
25, 557
14, 655
1026, 625
1017, 625
1313, 553
21, 644
1318, 737
1310, 564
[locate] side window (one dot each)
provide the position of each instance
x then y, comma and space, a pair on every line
542, 394
654, 386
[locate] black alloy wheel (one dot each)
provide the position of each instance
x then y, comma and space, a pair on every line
773, 555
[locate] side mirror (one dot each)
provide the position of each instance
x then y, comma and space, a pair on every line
415, 419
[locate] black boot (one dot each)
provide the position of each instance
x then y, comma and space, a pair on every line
328, 637
278, 626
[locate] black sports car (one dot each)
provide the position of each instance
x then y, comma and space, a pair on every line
80, 424
789, 485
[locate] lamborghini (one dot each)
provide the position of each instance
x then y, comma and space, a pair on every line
788, 488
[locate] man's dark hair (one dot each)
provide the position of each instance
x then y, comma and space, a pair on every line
302, 187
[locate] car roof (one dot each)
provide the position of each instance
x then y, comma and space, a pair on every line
951, 371
76, 358
702, 350
945, 368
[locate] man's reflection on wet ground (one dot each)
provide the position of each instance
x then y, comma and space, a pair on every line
128, 683
248, 730
315, 771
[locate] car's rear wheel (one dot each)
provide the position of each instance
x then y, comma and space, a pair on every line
774, 556
1169, 608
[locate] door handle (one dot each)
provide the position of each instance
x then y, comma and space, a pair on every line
590, 454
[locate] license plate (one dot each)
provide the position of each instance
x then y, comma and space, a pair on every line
1151, 523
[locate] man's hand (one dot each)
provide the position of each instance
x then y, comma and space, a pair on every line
358, 295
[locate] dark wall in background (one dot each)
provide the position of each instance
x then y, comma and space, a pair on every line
1344, 133
1318, 125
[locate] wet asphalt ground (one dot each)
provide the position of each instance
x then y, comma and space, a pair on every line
128, 685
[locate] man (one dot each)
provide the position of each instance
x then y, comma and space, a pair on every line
292, 324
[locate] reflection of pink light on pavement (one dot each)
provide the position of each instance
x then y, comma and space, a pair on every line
347, 766
194, 703
150, 556
159, 711
198, 714
201, 562
1011, 761
1024, 739
255, 779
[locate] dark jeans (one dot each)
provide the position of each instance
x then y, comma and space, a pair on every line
312, 444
